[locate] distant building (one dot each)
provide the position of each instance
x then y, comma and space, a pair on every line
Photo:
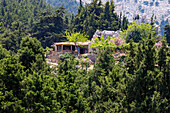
106, 34
70, 47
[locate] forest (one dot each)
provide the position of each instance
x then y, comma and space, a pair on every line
138, 82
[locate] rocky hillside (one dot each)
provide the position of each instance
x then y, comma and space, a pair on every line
145, 8
70, 5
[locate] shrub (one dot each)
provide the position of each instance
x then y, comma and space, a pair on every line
66, 55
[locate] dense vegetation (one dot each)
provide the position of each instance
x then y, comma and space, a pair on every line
167, 33
48, 25
28, 84
138, 82
17, 18
96, 16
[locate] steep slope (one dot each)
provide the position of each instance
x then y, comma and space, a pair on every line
145, 8
70, 5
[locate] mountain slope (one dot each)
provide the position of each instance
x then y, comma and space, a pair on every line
145, 8
70, 5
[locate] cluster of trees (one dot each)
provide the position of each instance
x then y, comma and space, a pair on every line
95, 16
46, 23
137, 31
140, 83
50, 27
17, 18
40, 20
31, 18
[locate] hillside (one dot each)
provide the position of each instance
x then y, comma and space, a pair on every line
25, 11
70, 5
17, 17
145, 8
111, 73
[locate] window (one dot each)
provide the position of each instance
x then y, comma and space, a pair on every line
66, 47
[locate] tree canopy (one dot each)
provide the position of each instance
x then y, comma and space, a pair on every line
76, 37
167, 33
138, 31
95, 16
137, 82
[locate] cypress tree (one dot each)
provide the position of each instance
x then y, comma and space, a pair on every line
164, 67
130, 59
105, 62
30, 47
167, 33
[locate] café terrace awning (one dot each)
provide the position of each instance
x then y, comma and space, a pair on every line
71, 43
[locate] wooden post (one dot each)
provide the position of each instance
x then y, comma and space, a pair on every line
78, 49
62, 48
71, 48
56, 48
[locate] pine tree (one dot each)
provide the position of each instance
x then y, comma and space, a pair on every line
105, 62
30, 47
11, 74
146, 80
163, 65
39, 93
107, 11
167, 33
68, 74
3, 52
130, 59
124, 23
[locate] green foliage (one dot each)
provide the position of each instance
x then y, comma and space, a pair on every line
40, 93
76, 37
18, 17
10, 77
21, 10
11, 37
3, 53
167, 33
95, 16
105, 62
139, 83
138, 31
66, 55
71, 97
47, 50
142, 69
37, 19
49, 27
125, 22
30, 47
101, 44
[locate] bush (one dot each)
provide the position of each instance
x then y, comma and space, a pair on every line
66, 55
137, 31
